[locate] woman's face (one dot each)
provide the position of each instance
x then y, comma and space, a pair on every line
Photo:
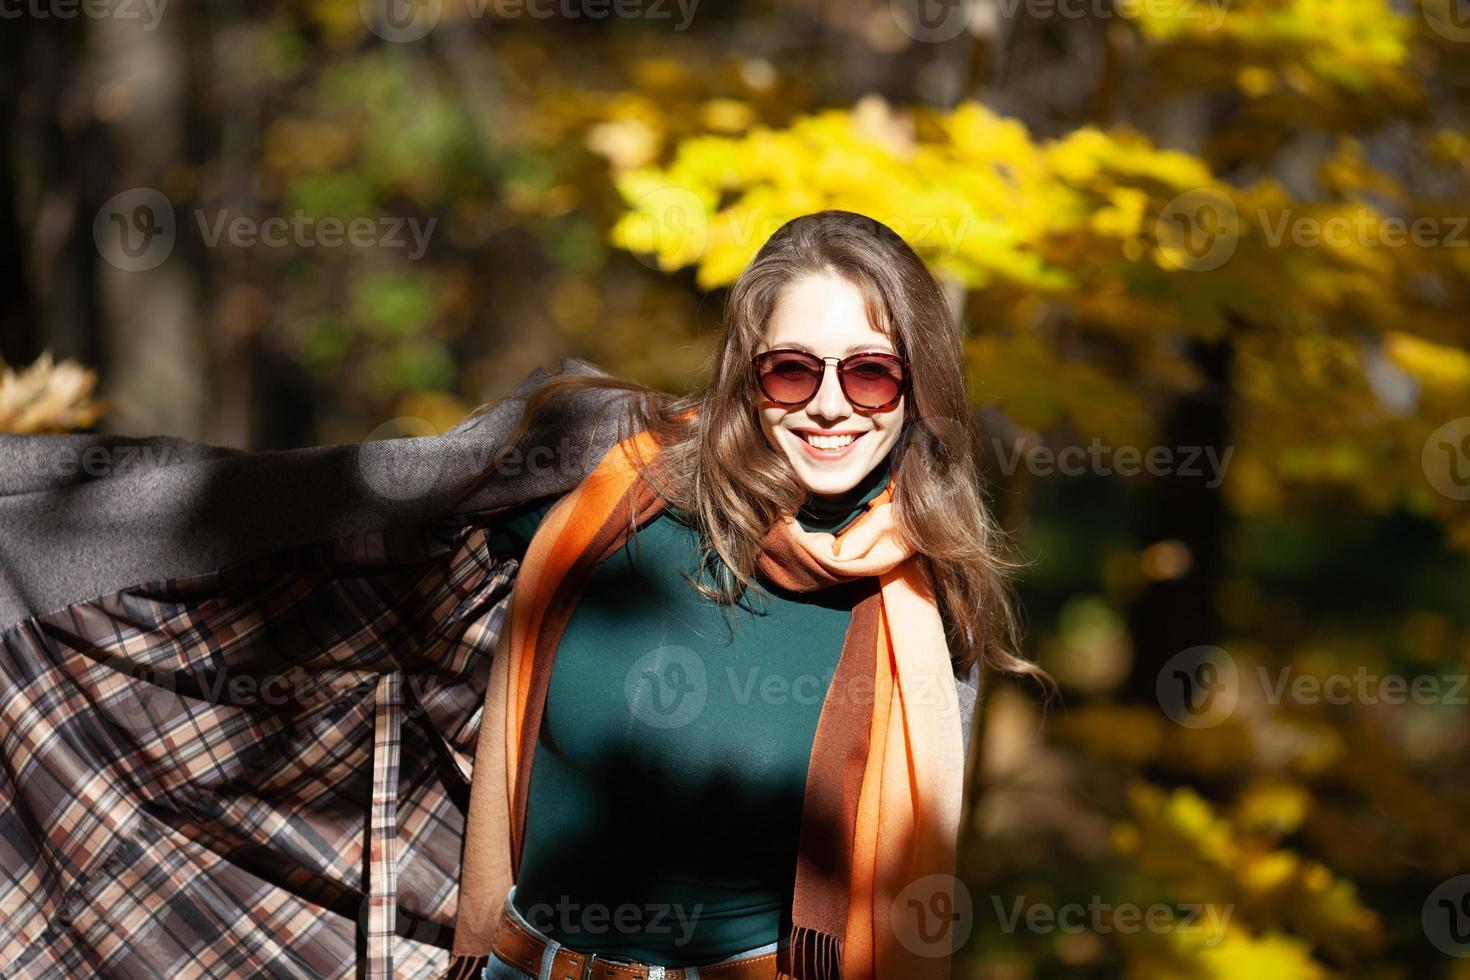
824, 315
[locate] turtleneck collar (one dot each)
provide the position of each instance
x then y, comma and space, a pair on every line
832, 514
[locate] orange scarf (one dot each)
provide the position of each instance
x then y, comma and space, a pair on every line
875, 864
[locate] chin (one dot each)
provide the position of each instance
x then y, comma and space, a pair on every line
828, 484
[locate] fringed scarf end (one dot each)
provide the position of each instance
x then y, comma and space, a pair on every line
811, 955
465, 968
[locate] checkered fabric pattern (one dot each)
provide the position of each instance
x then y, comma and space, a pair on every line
256, 772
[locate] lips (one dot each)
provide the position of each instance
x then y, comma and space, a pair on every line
827, 444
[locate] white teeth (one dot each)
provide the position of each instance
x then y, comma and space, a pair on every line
827, 442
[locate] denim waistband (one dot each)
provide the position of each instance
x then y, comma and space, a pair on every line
690, 972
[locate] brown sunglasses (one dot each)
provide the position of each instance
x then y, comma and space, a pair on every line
874, 381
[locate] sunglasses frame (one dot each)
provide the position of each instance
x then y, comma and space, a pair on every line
841, 362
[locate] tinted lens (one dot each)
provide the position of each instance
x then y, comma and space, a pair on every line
871, 382
790, 376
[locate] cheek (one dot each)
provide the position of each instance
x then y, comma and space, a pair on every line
770, 421
892, 423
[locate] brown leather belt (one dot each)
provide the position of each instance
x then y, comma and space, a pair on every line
520, 947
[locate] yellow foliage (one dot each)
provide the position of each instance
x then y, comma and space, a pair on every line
1177, 838
1271, 956
1355, 45
48, 397
1272, 806
727, 115
1434, 365
981, 200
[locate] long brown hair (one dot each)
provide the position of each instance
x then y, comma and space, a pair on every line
716, 465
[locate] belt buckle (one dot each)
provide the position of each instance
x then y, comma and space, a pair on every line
654, 972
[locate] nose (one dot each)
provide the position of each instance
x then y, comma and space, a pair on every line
830, 402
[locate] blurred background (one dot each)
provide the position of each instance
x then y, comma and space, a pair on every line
1211, 257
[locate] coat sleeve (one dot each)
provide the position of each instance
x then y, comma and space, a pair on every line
968, 689
84, 515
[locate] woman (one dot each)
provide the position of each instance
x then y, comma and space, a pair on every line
739, 745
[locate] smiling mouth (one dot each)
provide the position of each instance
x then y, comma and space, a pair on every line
831, 444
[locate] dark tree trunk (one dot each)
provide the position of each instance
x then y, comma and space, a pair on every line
18, 340
1178, 613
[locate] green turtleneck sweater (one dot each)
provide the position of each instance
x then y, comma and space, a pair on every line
669, 772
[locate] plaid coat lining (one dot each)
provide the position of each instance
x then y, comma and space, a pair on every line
255, 772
